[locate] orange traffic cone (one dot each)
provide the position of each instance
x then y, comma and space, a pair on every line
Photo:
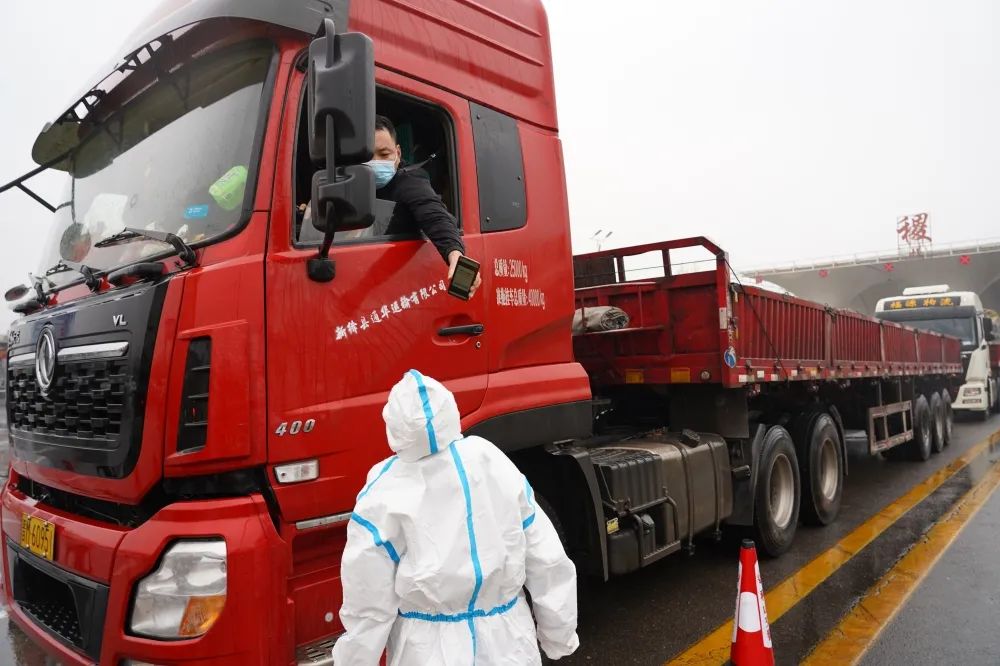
751, 633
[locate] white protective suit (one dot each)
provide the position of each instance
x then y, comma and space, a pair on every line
444, 536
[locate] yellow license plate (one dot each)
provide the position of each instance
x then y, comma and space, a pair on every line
38, 536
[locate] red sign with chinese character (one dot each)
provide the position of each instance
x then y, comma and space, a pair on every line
913, 233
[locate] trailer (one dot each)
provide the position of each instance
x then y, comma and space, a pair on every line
781, 384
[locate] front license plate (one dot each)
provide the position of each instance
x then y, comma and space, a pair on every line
38, 536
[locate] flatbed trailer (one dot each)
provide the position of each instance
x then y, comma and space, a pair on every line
781, 383
683, 325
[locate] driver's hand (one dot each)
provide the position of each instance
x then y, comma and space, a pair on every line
453, 262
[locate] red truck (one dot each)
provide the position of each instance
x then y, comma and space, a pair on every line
196, 384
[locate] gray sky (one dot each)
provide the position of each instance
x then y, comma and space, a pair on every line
782, 129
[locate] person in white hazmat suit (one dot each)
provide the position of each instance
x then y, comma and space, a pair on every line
443, 539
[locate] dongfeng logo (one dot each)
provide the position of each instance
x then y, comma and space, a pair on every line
45, 360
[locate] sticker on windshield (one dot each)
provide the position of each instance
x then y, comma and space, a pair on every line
196, 212
228, 190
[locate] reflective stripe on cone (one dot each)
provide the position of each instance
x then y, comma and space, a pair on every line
751, 632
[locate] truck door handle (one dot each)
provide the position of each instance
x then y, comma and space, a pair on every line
467, 329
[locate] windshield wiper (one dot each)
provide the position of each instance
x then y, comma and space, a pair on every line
90, 278
128, 234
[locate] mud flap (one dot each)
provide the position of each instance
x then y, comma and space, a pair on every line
744, 489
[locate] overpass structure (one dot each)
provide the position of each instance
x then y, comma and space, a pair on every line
858, 281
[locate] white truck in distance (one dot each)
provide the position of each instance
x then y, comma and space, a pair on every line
961, 314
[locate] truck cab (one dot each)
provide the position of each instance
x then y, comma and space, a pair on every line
192, 408
960, 314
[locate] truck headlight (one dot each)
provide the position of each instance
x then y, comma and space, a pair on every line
185, 595
973, 391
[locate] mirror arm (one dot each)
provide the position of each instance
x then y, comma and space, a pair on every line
321, 268
331, 168
24, 188
19, 181
39, 292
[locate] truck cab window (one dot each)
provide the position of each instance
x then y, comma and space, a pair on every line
425, 135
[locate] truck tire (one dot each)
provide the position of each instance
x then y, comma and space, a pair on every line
776, 501
919, 447
949, 415
937, 423
549, 511
820, 469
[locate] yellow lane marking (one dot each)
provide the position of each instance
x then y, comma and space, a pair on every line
858, 630
714, 647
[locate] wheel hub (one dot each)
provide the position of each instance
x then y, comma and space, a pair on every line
782, 491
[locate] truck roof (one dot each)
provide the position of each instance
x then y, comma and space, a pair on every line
494, 52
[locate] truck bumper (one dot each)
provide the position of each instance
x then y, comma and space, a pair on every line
77, 606
972, 397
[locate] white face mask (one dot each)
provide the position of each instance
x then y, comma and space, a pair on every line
384, 171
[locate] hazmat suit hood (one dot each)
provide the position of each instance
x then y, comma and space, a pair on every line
421, 417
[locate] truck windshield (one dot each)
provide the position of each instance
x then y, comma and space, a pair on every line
175, 158
964, 328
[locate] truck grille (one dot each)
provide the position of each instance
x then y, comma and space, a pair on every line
90, 420
86, 400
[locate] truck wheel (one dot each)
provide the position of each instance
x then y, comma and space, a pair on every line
549, 511
937, 423
919, 447
821, 470
949, 416
776, 504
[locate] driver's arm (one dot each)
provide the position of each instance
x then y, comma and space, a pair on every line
427, 208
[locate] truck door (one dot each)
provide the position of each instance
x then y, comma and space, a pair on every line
335, 349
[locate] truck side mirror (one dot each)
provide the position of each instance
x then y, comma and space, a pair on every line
16, 293
341, 97
988, 331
